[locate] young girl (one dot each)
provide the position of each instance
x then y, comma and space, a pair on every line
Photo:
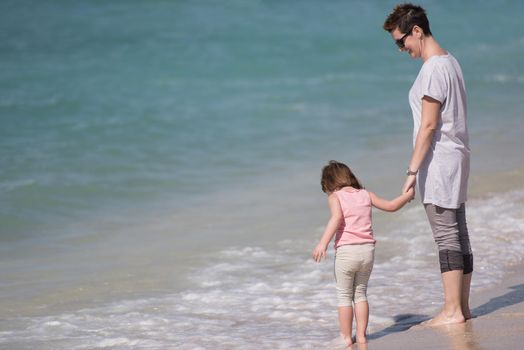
350, 206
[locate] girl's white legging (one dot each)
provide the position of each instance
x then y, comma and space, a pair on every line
353, 266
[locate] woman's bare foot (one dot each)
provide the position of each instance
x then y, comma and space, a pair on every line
443, 319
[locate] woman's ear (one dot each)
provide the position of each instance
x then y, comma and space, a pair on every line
418, 32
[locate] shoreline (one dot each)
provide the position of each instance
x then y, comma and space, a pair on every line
91, 298
498, 323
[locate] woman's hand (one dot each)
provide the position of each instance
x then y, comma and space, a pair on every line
410, 183
319, 252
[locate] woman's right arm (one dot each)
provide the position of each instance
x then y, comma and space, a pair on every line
392, 205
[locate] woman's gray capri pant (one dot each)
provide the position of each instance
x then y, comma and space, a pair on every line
450, 232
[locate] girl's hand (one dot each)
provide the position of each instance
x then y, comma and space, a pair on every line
411, 193
319, 252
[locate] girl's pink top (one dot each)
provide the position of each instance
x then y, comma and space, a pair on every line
356, 228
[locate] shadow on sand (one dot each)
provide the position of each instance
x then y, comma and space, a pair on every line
402, 323
513, 297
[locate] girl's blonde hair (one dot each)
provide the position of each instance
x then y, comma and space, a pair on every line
337, 175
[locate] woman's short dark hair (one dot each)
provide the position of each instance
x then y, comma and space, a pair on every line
405, 17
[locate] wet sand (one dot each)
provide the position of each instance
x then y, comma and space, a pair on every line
498, 323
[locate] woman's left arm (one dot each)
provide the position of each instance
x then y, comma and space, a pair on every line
428, 125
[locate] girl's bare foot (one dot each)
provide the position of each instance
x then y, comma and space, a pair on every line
340, 342
347, 340
361, 339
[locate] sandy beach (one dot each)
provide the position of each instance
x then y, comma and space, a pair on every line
498, 323
175, 205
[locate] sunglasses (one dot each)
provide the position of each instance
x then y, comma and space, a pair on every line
400, 42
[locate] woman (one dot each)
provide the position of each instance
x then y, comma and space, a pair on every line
440, 155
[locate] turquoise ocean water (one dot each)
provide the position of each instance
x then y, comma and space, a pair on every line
159, 165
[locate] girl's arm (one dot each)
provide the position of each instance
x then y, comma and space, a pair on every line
428, 125
392, 205
331, 228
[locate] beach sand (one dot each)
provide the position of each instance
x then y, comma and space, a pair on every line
498, 323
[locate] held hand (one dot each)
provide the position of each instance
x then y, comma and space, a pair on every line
319, 252
411, 193
409, 186
410, 183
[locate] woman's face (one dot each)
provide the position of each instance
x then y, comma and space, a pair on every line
408, 42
